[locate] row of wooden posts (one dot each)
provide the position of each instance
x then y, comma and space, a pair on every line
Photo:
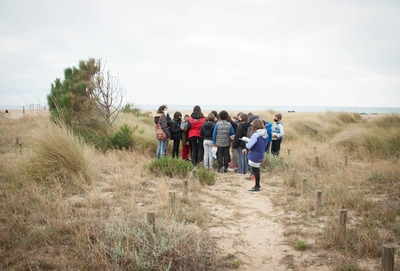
388, 250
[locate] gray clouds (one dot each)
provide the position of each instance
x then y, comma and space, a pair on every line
343, 53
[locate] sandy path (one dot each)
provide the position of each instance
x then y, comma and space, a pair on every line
249, 227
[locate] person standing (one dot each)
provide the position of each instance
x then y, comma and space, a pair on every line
162, 119
277, 134
206, 132
176, 133
239, 145
221, 139
196, 120
185, 141
256, 147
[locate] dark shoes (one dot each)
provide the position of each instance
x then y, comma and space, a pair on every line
255, 189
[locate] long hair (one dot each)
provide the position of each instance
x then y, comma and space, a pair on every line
198, 110
257, 124
161, 109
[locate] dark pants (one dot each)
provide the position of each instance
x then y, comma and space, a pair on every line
256, 171
196, 149
268, 147
276, 146
175, 148
223, 154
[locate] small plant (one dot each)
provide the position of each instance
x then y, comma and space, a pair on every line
123, 137
171, 167
273, 163
301, 245
206, 177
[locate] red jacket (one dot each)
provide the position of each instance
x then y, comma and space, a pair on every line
195, 126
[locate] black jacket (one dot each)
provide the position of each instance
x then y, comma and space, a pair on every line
206, 130
240, 132
175, 129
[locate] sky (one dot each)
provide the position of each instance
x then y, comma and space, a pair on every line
225, 52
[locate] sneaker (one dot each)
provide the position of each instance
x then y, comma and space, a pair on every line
255, 189
248, 179
225, 170
218, 171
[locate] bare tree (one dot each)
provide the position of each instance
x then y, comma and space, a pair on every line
107, 94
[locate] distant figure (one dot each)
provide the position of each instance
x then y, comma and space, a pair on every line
6, 111
277, 134
23, 110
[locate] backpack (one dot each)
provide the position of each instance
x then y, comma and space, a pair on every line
160, 134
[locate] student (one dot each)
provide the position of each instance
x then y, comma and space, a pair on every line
185, 140
252, 117
162, 144
256, 147
277, 134
239, 145
221, 139
206, 132
176, 133
268, 126
234, 163
196, 120
215, 116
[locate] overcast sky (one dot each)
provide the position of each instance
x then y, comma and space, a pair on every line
233, 52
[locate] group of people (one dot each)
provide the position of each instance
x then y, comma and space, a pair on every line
206, 137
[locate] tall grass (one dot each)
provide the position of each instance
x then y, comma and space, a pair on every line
55, 152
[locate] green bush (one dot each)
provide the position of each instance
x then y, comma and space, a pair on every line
171, 167
206, 177
123, 137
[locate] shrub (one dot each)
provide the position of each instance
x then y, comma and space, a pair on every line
171, 247
171, 167
122, 138
273, 163
206, 177
57, 152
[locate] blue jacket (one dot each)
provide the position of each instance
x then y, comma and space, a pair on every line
269, 130
256, 145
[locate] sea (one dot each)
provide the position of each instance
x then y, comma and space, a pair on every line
279, 108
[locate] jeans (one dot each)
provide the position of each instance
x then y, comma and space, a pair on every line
196, 149
162, 146
268, 147
208, 158
223, 154
242, 169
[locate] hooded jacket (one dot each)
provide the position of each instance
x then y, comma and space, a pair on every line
207, 130
269, 130
175, 129
240, 132
257, 144
163, 123
194, 124
251, 119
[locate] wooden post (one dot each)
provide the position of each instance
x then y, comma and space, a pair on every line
288, 151
194, 173
317, 160
17, 140
151, 219
172, 200
388, 252
397, 157
346, 160
343, 221
185, 187
303, 187
318, 202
